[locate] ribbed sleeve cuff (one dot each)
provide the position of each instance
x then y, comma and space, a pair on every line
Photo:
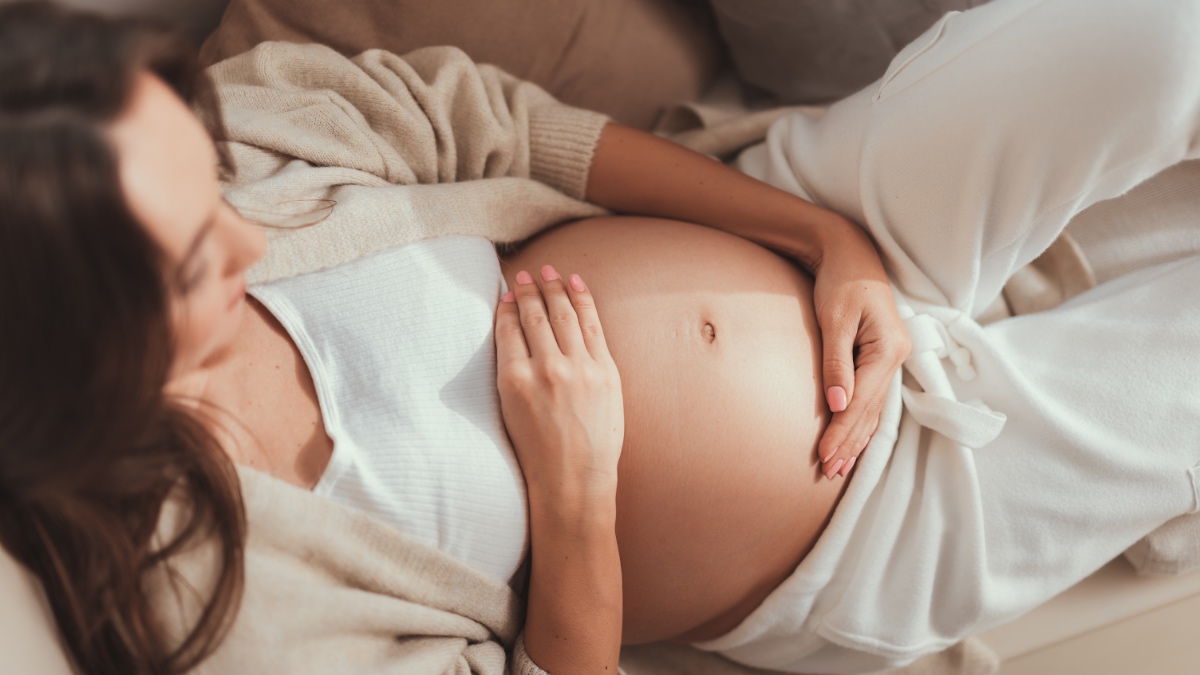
521, 663
562, 141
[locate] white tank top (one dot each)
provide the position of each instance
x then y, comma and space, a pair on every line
400, 348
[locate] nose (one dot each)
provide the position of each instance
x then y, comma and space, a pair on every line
246, 242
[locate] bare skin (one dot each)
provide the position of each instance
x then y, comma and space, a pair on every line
720, 492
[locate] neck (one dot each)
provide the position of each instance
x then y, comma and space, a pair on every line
218, 385
265, 412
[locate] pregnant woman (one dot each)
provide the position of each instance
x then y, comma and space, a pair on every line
373, 382
732, 532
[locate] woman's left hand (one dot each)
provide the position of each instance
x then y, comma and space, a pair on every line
865, 343
636, 172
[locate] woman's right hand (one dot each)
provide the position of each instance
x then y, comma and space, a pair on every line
561, 400
560, 392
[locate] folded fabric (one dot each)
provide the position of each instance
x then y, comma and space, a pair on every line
397, 145
329, 589
1151, 224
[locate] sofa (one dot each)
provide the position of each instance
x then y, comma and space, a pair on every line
694, 70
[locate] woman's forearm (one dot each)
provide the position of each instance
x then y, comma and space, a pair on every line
639, 173
573, 621
560, 394
864, 341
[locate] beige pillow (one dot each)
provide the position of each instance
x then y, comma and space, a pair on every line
1173, 548
626, 58
29, 640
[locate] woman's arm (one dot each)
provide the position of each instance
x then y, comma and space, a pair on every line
865, 342
573, 619
638, 173
560, 395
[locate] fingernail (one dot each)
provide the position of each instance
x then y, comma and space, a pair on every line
831, 453
549, 273
833, 471
867, 442
849, 465
524, 277
837, 399
577, 283
508, 297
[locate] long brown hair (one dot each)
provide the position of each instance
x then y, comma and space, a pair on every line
90, 447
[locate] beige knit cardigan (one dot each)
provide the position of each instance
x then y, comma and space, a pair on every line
400, 145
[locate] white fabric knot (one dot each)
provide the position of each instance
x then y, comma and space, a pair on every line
972, 424
961, 358
935, 404
928, 334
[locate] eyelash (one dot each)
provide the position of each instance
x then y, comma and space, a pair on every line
194, 280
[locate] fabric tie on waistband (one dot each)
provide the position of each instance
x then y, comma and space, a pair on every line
969, 423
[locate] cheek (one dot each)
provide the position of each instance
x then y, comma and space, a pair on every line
201, 325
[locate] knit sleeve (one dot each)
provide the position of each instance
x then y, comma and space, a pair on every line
430, 116
521, 663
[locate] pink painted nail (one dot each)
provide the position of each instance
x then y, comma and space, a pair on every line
524, 277
831, 453
577, 283
549, 273
837, 399
849, 465
866, 442
836, 465
508, 297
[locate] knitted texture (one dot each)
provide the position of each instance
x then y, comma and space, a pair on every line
397, 146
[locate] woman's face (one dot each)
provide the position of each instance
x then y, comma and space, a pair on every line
169, 174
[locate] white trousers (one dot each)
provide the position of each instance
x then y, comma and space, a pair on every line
1013, 459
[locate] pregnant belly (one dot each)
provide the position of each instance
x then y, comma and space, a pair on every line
720, 494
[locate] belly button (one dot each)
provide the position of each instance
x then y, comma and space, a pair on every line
709, 332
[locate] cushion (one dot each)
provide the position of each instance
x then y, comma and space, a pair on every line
626, 58
1173, 548
197, 18
817, 51
29, 638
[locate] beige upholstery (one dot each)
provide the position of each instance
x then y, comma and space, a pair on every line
28, 638
626, 58
29, 641
197, 17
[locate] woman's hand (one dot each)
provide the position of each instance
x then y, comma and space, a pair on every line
636, 172
561, 399
560, 393
865, 343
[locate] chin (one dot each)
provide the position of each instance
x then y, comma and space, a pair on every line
222, 345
